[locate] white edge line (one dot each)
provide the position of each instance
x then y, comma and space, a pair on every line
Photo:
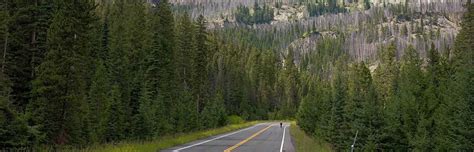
283, 139
177, 150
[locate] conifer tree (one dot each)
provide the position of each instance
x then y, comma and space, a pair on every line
426, 127
410, 94
386, 74
14, 130
99, 103
4, 34
26, 45
117, 63
386, 77
116, 121
59, 90
200, 63
214, 114
147, 121
160, 70
186, 47
166, 34
339, 127
290, 80
363, 109
307, 115
461, 87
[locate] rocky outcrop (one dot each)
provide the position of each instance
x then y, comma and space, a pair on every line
288, 13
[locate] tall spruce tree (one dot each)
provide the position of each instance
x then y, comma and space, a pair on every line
60, 90
363, 109
186, 47
289, 78
99, 103
4, 34
386, 77
214, 114
410, 94
117, 63
14, 130
200, 63
461, 92
160, 69
339, 126
26, 45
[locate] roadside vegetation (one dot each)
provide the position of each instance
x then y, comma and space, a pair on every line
307, 143
164, 142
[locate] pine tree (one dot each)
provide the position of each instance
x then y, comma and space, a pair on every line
99, 103
410, 94
200, 63
430, 103
60, 90
166, 34
116, 122
338, 122
461, 93
186, 47
160, 70
386, 77
147, 121
214, 114
26, 45
14, 130
290, 80
138, 42
187, 115
363, 109
307, 115
128, 44
4, 34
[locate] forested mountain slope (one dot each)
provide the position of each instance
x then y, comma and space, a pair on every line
363, 30
397, 73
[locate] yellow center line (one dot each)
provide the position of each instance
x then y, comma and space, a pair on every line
246, 140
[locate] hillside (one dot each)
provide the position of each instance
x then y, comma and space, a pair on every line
364, 31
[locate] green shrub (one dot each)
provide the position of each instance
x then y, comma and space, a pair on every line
234, 119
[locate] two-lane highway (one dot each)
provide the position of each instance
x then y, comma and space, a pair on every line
264, 137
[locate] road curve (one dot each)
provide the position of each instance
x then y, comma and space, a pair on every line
263, 137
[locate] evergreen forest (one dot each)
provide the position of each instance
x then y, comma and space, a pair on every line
82, 72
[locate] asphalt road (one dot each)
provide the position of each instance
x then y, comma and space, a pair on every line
264, 137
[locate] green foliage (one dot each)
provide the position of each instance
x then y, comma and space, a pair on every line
289, 79
24, 47
366, 4
116, 121
200, 60
164, 142
214, 113
319, 9
405, 108
260, 15
60, 89
14, 130
461, 92
304, 142
234, 119
133, 73
99, 104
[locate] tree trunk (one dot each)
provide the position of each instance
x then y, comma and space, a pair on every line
4, 52
33, 45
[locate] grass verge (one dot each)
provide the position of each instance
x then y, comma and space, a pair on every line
305, 143
164, 142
